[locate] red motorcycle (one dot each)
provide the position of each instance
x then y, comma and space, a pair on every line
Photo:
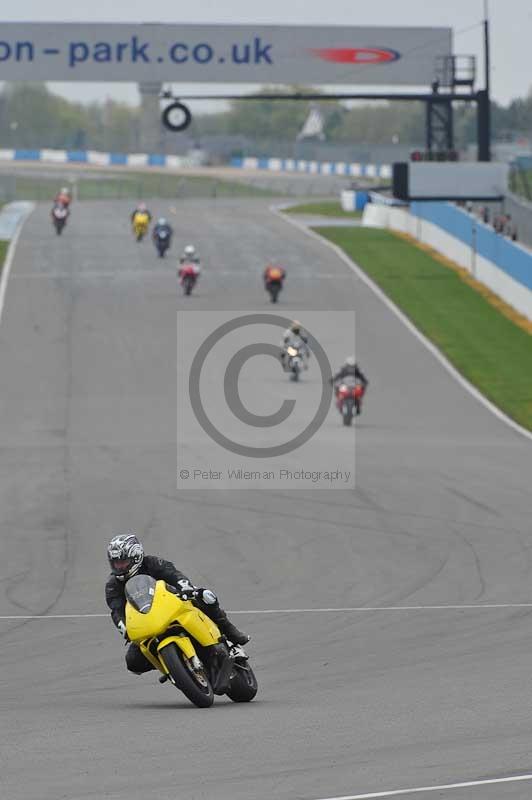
188, 275
349, 394
273, 281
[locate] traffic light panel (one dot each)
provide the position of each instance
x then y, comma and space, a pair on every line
434, 155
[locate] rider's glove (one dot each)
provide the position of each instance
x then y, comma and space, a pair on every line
186, 590
208, 596
123, 630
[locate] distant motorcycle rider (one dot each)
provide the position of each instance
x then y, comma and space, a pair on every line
273, 273
162, 226
190, 256
350, 367
126, 559
141, 208
294, 336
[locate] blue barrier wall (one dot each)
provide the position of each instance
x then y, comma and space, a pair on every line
508, 256
89, 157
27, 155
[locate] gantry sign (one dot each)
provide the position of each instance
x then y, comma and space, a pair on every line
270, 54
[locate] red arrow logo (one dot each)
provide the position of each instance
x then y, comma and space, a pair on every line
356, 55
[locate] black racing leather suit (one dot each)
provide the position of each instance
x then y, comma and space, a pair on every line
162, 570
346, 370
159, 228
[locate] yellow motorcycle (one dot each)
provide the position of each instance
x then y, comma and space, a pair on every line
141, 223
184, 644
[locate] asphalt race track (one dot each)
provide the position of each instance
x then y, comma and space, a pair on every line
350, 701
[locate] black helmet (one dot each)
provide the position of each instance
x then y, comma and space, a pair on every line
125, 554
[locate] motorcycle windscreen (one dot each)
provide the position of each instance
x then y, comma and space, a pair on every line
140, 591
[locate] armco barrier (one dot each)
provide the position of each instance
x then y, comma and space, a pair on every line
96, 158
343, 169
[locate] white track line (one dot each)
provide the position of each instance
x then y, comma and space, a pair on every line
344, 610
473, 391
6, 269
418, 789
357, 609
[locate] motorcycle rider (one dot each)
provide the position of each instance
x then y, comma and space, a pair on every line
190, 256
294, 336
273, 273
59, 214
141, 208
162, 226
350, 368
127, 558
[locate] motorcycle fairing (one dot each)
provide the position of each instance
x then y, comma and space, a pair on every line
167, 608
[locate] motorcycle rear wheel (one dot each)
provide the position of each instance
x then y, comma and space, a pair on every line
184, 678
243, 686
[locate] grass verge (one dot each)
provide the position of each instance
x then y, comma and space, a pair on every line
3, 251
325, 209
487, 347
130, 185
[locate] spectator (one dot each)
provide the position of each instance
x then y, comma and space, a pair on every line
510, 228
498, 223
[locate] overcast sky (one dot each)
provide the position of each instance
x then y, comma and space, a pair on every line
511, 29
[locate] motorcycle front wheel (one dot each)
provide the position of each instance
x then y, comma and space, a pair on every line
243, 686
274, 293
195, 686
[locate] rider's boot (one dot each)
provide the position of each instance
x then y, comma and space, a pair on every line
227, 628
